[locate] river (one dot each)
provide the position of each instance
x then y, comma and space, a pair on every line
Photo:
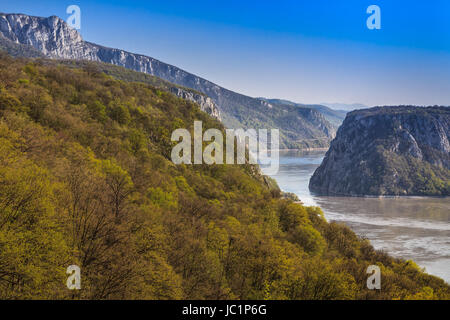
416, 228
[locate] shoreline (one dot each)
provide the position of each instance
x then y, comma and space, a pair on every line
372, 215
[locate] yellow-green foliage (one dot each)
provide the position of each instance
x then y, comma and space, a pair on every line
85, 178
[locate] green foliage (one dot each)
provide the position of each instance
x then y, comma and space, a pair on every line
119, 113
85, 178
97, 110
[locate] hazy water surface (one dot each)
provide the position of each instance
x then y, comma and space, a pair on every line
416, 228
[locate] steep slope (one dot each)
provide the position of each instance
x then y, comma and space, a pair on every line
55, 39
388, 151
206, 104
86, 179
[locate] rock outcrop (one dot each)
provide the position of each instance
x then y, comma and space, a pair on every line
206, 103
388, 151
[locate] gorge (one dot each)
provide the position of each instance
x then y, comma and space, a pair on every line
51, 37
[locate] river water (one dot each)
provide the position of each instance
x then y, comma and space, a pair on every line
416, 228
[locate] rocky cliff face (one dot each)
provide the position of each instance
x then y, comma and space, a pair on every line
55, 39
19, 50
388, 151
206, 103
51, 36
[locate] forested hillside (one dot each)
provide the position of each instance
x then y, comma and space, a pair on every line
53, 38
86, 179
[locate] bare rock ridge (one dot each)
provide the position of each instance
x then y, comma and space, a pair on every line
401, 150
55, 39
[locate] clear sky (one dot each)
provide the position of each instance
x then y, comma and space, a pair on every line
305, 51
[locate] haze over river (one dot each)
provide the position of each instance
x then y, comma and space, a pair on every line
416, 228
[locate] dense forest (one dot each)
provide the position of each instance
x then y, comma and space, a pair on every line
86, 179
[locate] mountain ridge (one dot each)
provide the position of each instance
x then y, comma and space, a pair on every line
336, 117
344, 106
56, 40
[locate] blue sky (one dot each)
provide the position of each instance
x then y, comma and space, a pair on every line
305, 51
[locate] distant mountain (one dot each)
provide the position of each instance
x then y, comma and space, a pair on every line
345, 106
333, 116
299, 128
401, 150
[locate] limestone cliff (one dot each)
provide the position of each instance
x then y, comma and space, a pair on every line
388, 151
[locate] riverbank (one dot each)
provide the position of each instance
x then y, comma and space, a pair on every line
408, 227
